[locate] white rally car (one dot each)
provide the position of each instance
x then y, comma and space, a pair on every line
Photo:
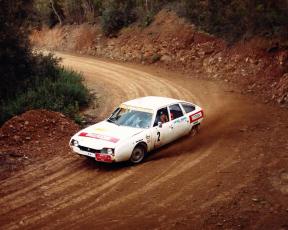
137, 127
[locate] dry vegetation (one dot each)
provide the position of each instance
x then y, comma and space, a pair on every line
231, 19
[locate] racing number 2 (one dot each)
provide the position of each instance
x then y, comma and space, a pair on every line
158, 134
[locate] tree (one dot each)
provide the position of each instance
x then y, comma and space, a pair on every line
116, 15
15, 54
44, 13
56, 11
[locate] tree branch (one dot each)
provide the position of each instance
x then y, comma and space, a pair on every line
55, 11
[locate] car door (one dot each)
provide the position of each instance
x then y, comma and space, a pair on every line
178, 121
161, 135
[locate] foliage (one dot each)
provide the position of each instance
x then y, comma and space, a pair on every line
234, 19
73, 11
44, 14
113, 14
116, 15
145, 18
65, 93
15, 56
30, 80
231, 19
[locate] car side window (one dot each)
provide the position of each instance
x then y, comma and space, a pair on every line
161, 116
188, 107
175, 111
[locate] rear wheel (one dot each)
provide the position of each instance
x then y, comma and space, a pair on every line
138, 154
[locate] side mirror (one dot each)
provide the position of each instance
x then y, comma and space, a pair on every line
160, 124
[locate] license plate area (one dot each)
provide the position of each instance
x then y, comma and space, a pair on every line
103, 158
88, 154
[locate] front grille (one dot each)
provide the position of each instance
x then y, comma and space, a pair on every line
86, 149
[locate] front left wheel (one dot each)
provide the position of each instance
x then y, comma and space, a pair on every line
138, 154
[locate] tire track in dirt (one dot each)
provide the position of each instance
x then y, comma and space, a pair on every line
164, 201
127, 197
23, 176
72, 199
26, 194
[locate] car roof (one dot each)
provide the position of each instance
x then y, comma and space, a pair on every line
151, 102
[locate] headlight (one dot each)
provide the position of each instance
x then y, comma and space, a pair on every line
108, 151
75, 143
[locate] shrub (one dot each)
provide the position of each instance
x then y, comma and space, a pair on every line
144, 18
117, 15
112, 21
64, 94
234, 19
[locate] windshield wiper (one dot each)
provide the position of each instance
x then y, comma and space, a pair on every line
112, 120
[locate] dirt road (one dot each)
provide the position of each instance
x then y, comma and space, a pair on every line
233, 175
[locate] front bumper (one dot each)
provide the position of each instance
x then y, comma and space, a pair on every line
84, 151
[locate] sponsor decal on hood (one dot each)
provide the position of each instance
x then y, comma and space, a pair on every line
107, 132
99, 136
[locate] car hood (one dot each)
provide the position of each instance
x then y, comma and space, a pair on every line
104, 135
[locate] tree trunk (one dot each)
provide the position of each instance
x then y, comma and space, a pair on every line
55, 11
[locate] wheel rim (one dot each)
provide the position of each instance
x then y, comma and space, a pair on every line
137, 155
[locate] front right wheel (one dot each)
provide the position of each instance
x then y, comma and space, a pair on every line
138, 154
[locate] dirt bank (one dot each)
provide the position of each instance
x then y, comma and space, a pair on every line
260, 65
33, 137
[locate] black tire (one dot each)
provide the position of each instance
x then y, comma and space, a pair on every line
138, 154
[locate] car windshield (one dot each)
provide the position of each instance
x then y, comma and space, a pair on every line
130, 117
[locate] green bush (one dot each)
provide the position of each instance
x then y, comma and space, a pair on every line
116, 15
64, 94
112, 21
236, 19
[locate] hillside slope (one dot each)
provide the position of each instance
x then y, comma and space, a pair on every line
259, 64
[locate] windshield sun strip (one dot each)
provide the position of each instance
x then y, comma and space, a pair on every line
136, 108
